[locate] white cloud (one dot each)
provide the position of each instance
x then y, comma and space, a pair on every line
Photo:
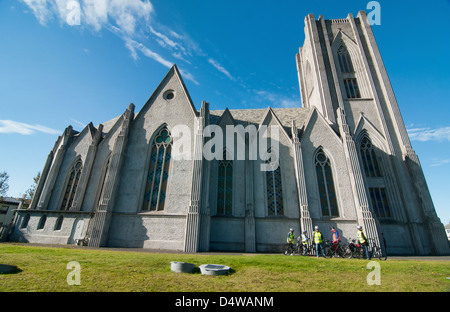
96, 14
188, 76
135, 46
127, 19
78, 123
165, 41
10, 126
40, 9
442, 162
425, 134
220, 68
277, 100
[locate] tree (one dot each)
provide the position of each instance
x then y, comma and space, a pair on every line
30, 192
4, 177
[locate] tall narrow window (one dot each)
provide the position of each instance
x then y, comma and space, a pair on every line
71, 187
158, 174
225, 186
379, 202
351, 88
369, 159
328, 200
345, 60
274, 191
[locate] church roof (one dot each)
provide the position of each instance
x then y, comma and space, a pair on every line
254, 116
107, 126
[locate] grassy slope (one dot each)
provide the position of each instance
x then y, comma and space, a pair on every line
44, 269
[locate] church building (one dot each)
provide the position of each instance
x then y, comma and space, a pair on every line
343, 159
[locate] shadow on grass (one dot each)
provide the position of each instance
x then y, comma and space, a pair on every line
9, 269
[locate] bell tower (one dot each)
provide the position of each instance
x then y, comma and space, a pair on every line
342, 75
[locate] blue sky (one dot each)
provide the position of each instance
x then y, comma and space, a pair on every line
56, 71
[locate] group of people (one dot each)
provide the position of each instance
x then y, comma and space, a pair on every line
318, 240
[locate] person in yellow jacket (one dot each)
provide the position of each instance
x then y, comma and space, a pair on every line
291, 239
362, 239
318, 241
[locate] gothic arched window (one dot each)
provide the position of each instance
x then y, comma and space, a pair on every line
328, 200
344, 60
225, 186
72, 184
348, 72
274, 190
158, 172
369, 159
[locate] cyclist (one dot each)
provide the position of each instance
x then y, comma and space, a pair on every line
362, 239
305, 241
336, 239
318, 240
291, 239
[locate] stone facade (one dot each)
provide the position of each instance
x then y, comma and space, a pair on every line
345, 159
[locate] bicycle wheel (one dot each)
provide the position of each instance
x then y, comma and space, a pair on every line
300, 250
357, 253
288, 249
340, 251
347, 253
377, 253
328, 251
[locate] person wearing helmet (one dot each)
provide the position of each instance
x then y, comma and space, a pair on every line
318, 241
291, 238
305, 241
335, 237
362, 239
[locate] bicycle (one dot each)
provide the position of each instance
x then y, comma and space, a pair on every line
375, 250
328, 249
337, 250
288, 249
358, 250
304, 249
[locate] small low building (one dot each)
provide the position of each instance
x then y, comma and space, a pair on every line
7, 207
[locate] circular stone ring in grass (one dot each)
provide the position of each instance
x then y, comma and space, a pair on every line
214, 269
182, 267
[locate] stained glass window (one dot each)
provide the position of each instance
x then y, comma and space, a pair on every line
328, 200
72, 185
225, 186
351, 88
158, 174
274, 191
379, 202
369, 159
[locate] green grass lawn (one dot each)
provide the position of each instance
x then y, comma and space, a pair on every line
45, 270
